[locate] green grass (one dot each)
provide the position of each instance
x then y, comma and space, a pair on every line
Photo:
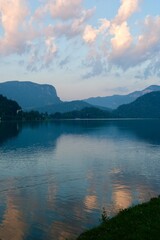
141, 222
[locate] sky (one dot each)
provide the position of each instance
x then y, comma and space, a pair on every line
84, 48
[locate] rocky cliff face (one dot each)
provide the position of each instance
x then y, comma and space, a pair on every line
30, 95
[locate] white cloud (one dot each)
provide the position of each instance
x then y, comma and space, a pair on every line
65, 9
13, 14
122, 38
73, 28
116, 36
111, 42
127, 8
25, 31
90, 34
51, 50
149, 40
105, 24
145, 50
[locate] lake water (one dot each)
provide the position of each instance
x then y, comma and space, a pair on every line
56, 177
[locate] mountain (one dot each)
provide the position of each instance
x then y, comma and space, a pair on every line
38, 97
29, 95
146, 106
85, 113
64, 107
8, 108
116, 100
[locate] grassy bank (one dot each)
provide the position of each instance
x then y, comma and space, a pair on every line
141, 222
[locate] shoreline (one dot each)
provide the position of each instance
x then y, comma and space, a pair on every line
139, 222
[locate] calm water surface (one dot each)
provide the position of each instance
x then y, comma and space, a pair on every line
56, 177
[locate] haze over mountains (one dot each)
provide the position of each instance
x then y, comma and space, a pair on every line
40, 97
29, 95
43, 98
116, 100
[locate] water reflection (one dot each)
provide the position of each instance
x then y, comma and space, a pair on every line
90, 202
8, 130
12, 226
56, 177
146, 130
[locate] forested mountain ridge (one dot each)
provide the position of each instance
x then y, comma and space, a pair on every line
30, 95
41, 100
38, 97
146, 106
116, 100
8, 108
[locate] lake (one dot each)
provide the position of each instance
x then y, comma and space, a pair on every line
56, 177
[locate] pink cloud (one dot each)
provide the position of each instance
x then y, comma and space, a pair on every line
65, 9
122, 39
90, 33
144, 49
71, 28
13, 16
110, 41
127, 8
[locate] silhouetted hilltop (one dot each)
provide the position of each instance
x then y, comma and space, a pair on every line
8, 108
64, 107
117, 100
146, 106
29, 95
85, 113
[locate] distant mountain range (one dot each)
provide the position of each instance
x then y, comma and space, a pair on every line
116, 100
146, 106
29, 95
43, 98
63, 107
39, 97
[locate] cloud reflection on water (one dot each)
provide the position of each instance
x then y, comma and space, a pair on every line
55, 186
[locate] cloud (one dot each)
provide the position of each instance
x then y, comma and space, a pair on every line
105, 24
60, 9
144, 51
73, 28
37, 34
51, 50
90, 34
116, 33
65, 9
125, 50
128, 51
13, 15
122, 38
149, 40
118, 26
33, 57
127, 8
64, 61
147, 49
26, 31
42, 58
97, 67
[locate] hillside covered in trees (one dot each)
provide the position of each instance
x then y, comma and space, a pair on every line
85, 113
8, 109
146, 106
